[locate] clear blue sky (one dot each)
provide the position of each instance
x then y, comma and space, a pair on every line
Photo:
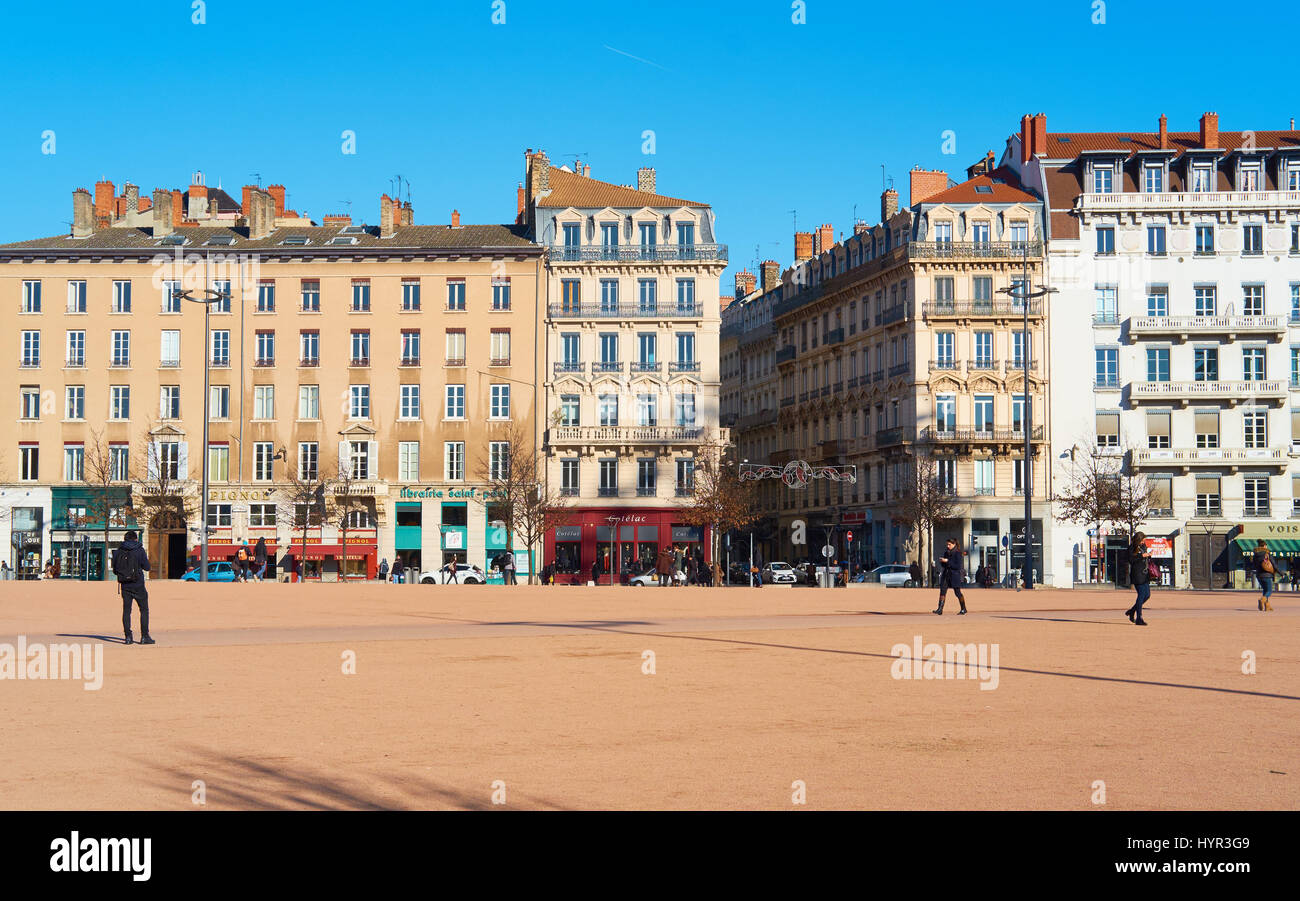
751, 113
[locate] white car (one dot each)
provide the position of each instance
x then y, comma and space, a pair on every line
465, 575
892, 575
776, 573
650, 577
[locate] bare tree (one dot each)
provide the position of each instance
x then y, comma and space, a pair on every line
107, 503
1105, 489
925, 501
517, 487
717, 497
344, 497
304, 497
159, 490
1136, 497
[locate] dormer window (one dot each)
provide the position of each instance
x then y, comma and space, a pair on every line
1103, 178
572, 234
1202, 178
943, 232
609, 234
1248, 177
1153, 179
1292, 177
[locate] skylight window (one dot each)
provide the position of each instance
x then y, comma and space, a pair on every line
983, 189
173, 240
295, 240
220, 240
341, 239
353, 230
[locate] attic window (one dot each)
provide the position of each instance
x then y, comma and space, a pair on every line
983, 189
295, 240
173, 240
1125, 140
1063, 139
353, 230
220, 241
341, 239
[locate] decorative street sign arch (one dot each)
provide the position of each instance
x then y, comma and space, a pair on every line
797, 473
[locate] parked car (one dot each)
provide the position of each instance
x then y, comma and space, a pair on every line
217, 572
466, 574
778, 573
892, 575
650, 577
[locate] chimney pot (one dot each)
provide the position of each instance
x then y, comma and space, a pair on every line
926, 183
83, 216
803, 246
771, 271
645, 179
387, 215
162, 213
455, 218
1210, 130
888, 205
1164, 132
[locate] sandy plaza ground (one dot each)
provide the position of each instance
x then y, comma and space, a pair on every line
542, 697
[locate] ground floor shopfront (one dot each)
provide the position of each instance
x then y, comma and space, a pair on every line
624, 542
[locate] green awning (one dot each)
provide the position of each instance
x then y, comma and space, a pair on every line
1282, 546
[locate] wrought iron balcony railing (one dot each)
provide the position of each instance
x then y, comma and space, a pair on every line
637, 253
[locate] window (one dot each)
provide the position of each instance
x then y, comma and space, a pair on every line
646, 406
220, 347
1019, 235
1252, 300
685, 296
309, 401
1249, 177
455, 347
1252, 364
646, 348
1018, 477
1153, 179
685, 407
984, 478
686, 350
500, 293
500, 402
1252, 240
569, 477
75, 402
410, 402
1205, 239
76, 349
410, 294
572, 237
454, 460
609, 296
266, 297
498, 460
30, 398
1105, 241
361, 347
945, 474
945, 345
359, 401
647, 295
359, 460
411, 347
265, 342
609, 234
1018, 349
264, 402
121, 349
408, 461
222, 304
943, 232
499, 349
685, 476
982, 291
649, 238
263, 461
1207, 496
945, 412
984, 350
608, 409
169, 402
360, 295
219, 516
1102, 179
171, 298
1206, 424
119, 466
1256, 493
119, 402
1158, 429
1205, 300
1018, 413
308, 458
1107, 429
169, 350
31, 297
219, 463
455, 294
983, 404
1202, 178
309, 348
1255, 429
219, 402
569, 407
1158, 364
76, 297
980, 233
1156, 240
29, 459
645, 478
943, 291
310, 293
1206, 364
1158, 300
121, 296
1107, 304
570, 295
608, 478
261, 515
31, 349
455, 402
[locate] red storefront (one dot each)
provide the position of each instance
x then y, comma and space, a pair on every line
633, 538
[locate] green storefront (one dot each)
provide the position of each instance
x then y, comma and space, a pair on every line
1282, 540
77, 528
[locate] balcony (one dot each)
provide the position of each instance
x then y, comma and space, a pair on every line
1002, 308
684, 491
499, 361
1214, 458
890, 437
785, 354
1207, 201
896, 313
359, 362
945, 366
607, 366
625, 434
454, 362
563, 367
309, 361
982, 365
645, 491
684, 366
1184, 327
787, 401
625, 311
409, 361
606, 492
643, 366
974, 250
835, 336
1189, 392
569, 491
636, 253
1001, 436
264, 362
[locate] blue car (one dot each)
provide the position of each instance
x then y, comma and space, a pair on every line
217, 572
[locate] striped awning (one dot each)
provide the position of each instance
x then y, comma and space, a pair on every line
1285, 546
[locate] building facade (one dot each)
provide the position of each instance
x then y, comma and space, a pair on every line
394, 363
630, 362
1177, 259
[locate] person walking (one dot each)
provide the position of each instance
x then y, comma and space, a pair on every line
1266, 570
259, 557
399, 570
1139, 573
510, 568
665, 567
130, 563
241, 561
951, 575
450, 568
383, 570
915, 572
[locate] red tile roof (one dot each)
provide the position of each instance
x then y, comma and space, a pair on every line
1003, 187
568, 189
1068, 145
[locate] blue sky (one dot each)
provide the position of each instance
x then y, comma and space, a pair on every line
751, 113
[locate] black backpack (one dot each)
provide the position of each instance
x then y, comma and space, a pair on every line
126, 565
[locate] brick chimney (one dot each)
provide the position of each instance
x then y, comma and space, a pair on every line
1040, 133
803, 246
132, 193
177, 209
262, 222
104, 203
455, 218
335, 221
888, 204
645, 179
408, 214
1026, 139
824, 239
277, 193
744, 283
387, 215
925, 183
771, 271
1164, 132
521, 201
1210, 130
83, 214
162, 212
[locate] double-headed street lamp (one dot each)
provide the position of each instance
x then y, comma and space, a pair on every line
213, 296
1023, 294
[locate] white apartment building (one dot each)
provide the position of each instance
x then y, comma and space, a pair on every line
1175, 333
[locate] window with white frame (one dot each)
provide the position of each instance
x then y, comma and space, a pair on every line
410, 402
359, 459
169, 402
455, 402
453, 454
31, 296
121, 348
309, 401
1256, 495
500, 402
261, 516
76, 296
308, 461
219, 462
264, 402
121, 296
119, 466
359, 401
220, 347
219, 402
498, 460
74, 402
119, 402
408, 461
263, 461
75, 355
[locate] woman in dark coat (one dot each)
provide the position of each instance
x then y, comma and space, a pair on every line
259, 557
1139, 561
1266, 572
951, 575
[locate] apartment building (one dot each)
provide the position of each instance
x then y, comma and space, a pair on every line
402, 354
1176, 257
900, 342
630, 365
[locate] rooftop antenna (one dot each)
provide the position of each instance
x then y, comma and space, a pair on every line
578, 157
349, 206
258, 176
795, 214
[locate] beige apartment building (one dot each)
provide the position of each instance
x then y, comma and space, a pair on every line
898, 341
401, 355
630, 368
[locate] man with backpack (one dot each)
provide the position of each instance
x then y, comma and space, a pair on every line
130, 563
241, 562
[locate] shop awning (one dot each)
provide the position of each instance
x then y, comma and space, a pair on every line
1287, 546
228, 550
321, 551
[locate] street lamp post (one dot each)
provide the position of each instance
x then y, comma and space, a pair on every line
1024, 295
212, 297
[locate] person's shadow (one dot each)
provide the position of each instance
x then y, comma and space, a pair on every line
108, 638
